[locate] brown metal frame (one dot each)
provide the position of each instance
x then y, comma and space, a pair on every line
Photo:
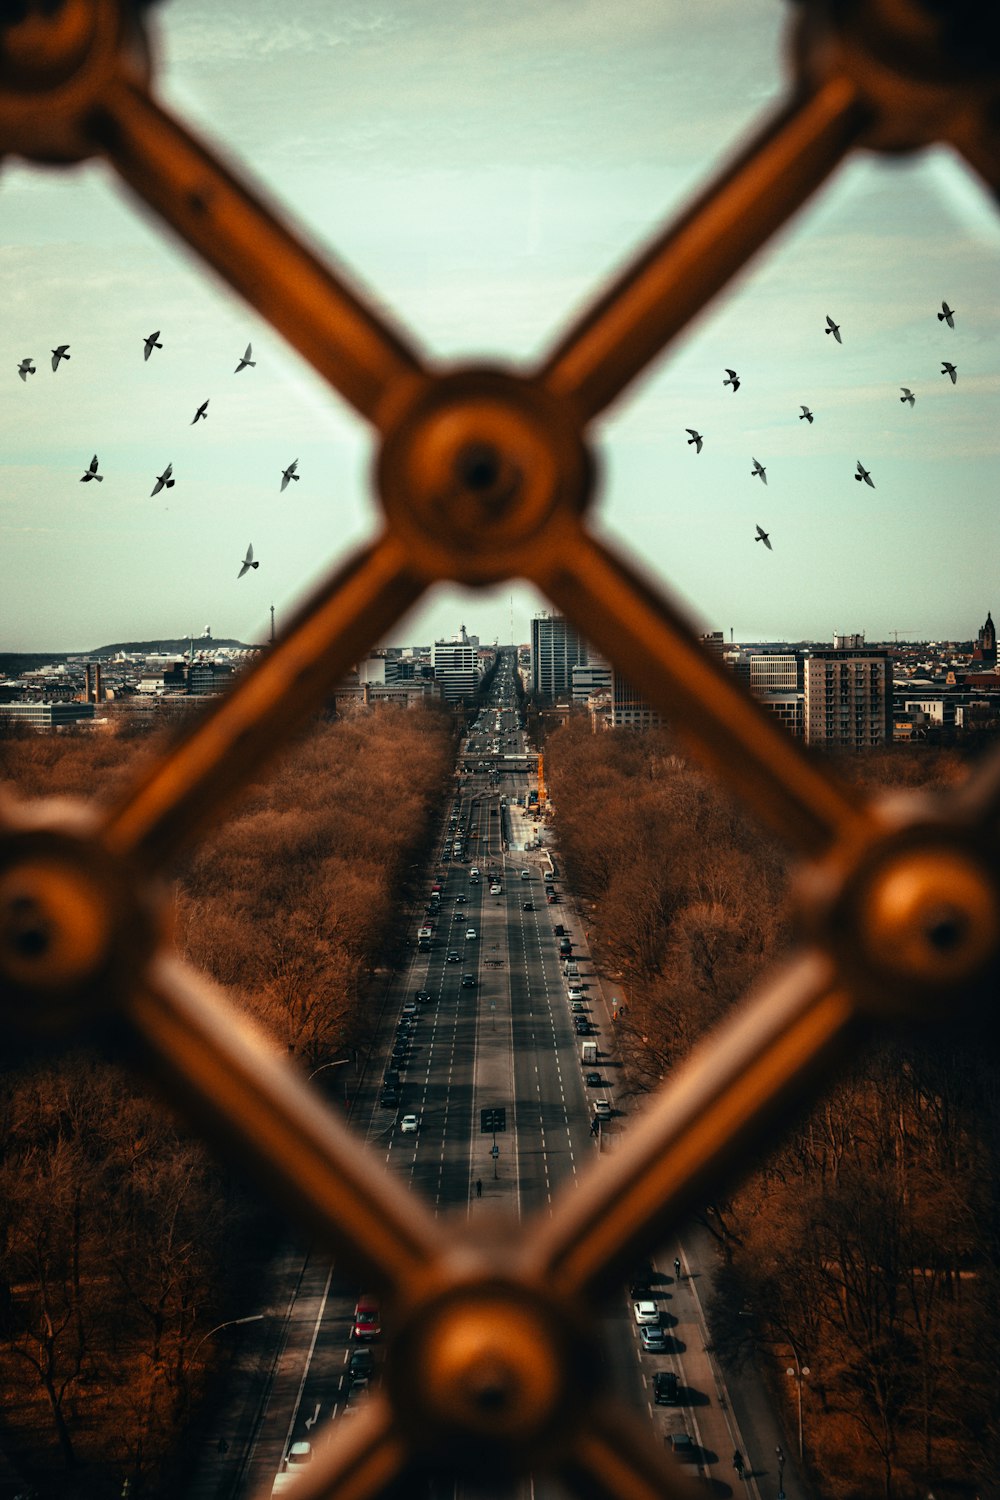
485, 473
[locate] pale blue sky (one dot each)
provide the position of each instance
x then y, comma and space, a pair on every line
480, 169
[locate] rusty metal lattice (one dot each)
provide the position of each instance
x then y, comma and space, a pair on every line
484, 473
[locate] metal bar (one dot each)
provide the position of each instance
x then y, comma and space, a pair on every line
244, 239
229, 1075
718, 1102
614, 1457
978, 138
648, 305
357, 1460
236, 736
740, 741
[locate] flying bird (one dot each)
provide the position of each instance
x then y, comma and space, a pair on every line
289, 473
201, 412
834, 328
950, 370
864, 474
734, 380
765, 537
759, 470
807, 414
248, 562
947, 315
695, 438
246, 360
26, 368
92, 472
150, 343
907, 394
163, 479
62, 352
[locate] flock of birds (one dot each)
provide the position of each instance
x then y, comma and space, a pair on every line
862, 475
166, 479
695, 438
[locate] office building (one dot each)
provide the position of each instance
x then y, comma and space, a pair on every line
556, 648
456, 667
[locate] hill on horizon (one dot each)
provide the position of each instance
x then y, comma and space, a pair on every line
12, 663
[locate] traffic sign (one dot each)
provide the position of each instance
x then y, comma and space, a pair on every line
495, 1152
492, 1121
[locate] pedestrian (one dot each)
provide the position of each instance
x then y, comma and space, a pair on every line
677, 1268
738, 1463
479, 1187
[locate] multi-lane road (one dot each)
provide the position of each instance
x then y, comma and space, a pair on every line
479, 1030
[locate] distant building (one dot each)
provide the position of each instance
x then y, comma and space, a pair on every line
456, 667
46, 715
556, 648
629, 710
848, 695
590, 679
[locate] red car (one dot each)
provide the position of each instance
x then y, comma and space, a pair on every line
367, 1324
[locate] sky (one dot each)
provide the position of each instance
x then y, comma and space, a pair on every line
481, 170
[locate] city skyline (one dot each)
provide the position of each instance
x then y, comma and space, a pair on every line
485, 242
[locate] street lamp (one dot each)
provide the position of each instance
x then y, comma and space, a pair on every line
340, 1062
798, 1374
252, 1318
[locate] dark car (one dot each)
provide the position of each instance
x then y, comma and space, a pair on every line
422, 996
468, 981
361, 1365
593, 1080
682, 1445
559, 930
582, 1025
529, 906
665, 1388
389, 1098
565, 946
453, 955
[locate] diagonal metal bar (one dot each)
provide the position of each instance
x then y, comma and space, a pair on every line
648, 305
356, 1461
979, 142
723, 1097
231, 742
614, 1458
979, 795
742, 743
229, 1076
244, 239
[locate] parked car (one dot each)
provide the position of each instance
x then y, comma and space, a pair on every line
681, 1444
361, 1363
575, 992
593, 1080
654, 1340
409, 1008
665, 1388
602, 1109
582, 1025
646, 1312
389, 1098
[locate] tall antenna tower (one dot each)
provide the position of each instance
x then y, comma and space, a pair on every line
272, 624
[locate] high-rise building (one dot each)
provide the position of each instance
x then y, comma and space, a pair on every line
848, 695
556, 648
456, 667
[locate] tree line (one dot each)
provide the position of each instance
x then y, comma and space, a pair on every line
122, 1242
865, 1248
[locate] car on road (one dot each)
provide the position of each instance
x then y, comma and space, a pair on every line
602, 1109
409, 1008
496, 890
582, 1025
422, 996
452, 956
682, 1445
559, 930
575, 992
666, 1388
470, 932
653, 1339
361, 1364
468, 981
296, 1459
576, 1006
593, 1080
529, 906
409, 1124
459, 900
646, 1312
367, 1323
525, 874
